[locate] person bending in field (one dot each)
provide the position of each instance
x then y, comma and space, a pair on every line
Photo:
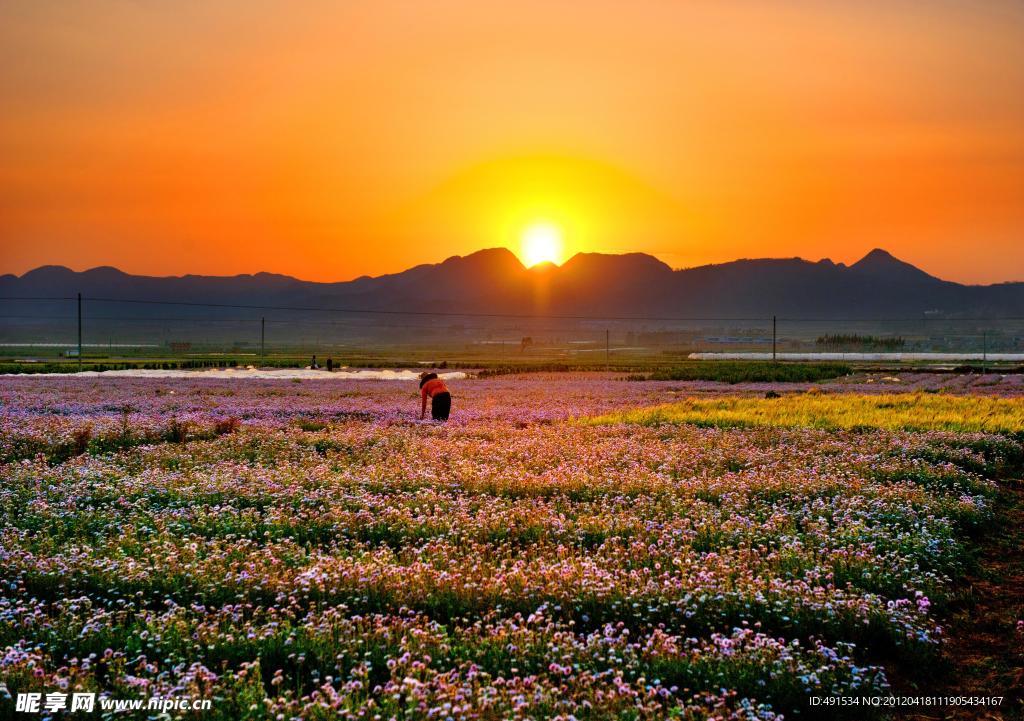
440, 399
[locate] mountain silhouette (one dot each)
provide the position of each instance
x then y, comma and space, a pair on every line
494, 281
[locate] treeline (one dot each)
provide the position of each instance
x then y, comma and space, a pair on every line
845, 340
16, 367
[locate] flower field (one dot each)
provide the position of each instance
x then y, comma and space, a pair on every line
307, 550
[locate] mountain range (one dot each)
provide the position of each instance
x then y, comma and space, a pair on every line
588, 284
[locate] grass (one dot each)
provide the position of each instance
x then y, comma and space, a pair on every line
721, 371
636, 367
903, 411
748, 372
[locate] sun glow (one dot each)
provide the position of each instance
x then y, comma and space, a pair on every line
541, 243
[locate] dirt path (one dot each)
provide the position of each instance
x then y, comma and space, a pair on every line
985, 645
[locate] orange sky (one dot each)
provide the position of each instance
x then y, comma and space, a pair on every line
332, 139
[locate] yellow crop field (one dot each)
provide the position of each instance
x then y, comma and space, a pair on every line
901, 411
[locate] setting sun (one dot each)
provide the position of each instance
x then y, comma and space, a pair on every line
542, 243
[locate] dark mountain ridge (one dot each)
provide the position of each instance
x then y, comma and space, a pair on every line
588, 284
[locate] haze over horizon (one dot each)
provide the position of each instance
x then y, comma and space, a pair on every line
328, 141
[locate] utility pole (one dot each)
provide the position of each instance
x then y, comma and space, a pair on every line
607, 351
79, 332
263, 341
774, 337
984, 350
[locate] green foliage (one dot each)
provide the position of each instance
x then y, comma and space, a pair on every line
861, 342
748, 372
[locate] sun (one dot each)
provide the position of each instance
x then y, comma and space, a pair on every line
541, 243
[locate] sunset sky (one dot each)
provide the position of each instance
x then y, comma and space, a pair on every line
328, 140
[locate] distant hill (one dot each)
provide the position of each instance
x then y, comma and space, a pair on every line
588, 284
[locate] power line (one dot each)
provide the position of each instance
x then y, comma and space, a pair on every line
377, 311
348, 324
327, 322
380, 311
519, 316
30, 297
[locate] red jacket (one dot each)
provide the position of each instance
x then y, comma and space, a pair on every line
432, 387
